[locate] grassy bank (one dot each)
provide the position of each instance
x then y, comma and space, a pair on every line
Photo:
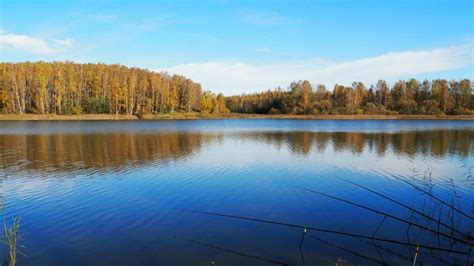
196, 115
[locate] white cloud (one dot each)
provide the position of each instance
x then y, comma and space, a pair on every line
239, 77
25, 43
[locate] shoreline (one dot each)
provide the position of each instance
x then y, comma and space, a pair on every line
198, 116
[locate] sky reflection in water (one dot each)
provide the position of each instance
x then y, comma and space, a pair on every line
78, 185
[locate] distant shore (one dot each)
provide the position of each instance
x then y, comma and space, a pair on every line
193, 116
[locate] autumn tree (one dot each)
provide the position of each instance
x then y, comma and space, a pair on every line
442, 95
382, 93
207, 102
322, 102
69, 88
301, 93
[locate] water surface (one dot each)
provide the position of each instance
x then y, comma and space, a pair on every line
108, 192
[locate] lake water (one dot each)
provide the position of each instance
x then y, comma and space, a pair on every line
112, 192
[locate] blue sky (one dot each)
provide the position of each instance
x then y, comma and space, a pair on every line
245, 46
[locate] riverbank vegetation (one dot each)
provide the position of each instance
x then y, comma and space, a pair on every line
439, 97
66, 88
11, 237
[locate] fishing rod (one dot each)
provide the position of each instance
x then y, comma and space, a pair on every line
389, 251
434, 197
230, 251
301, 246
347, 250
389, 215
323, 230
407, 207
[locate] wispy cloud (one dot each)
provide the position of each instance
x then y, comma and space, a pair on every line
29, 44
264, 18
264, 50
102, 17
149, 24
64, 43
238, 77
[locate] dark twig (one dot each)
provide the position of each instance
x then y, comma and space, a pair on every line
347, 250
230, 251
322, 230
380, 225
390, 216
434, 197
301, 245
468, 256
408, 207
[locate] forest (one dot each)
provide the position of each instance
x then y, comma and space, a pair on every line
70, 88
67, 88
404, 97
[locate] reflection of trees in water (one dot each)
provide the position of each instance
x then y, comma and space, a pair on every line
436, 143
114, 150
99, 151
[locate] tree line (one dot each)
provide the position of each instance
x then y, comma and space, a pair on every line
404, 97
70, 88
